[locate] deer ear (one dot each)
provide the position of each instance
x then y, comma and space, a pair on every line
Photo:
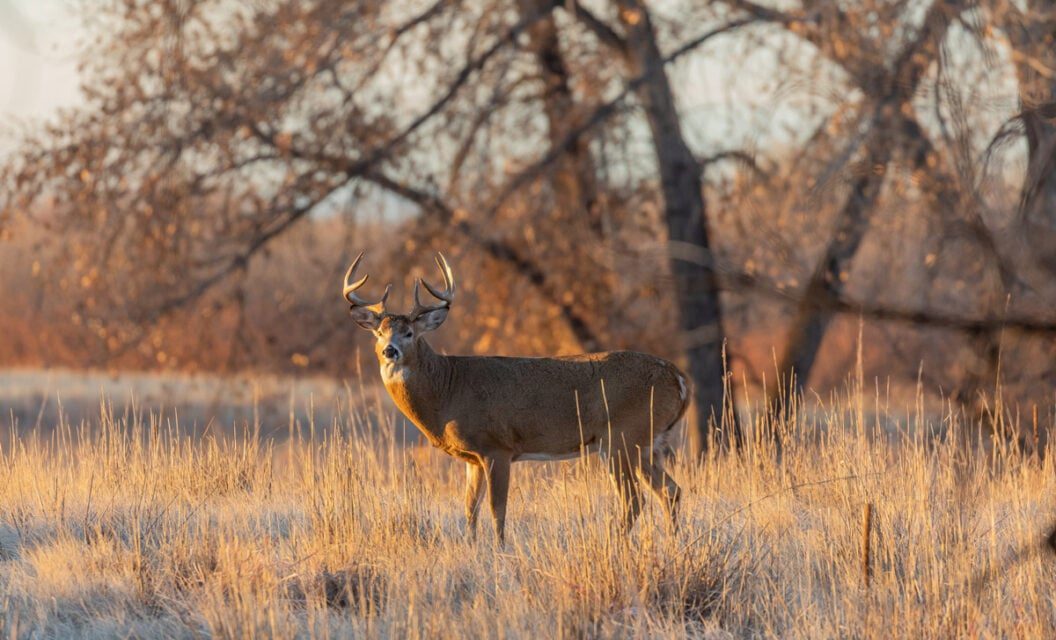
365, 318
430, 320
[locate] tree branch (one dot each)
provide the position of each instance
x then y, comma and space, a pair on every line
602, 113
597, 26
832, 301
498, 249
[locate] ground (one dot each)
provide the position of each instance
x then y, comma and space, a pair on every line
134, 524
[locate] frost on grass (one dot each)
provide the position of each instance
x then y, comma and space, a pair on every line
127, 526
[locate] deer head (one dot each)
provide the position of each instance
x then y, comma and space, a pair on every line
397, 335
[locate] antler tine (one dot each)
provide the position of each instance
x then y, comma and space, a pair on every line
351, 287
448, 294
446, 297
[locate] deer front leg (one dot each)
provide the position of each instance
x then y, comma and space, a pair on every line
621, 470
474, 485
664, 487
497, 473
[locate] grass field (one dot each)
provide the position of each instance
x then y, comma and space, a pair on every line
128, 524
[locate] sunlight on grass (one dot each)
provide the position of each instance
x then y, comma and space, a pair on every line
128, 526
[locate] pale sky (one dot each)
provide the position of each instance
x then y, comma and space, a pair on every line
726, 92
38, 66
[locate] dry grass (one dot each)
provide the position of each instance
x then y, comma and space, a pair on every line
126, 527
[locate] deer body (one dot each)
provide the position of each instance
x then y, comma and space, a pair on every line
492, 411
465, 405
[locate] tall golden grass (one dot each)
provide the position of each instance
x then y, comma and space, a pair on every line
126, 525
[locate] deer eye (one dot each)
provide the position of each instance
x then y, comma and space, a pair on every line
408, 334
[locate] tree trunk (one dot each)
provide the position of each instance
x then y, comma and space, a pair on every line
686, 217
811, 322
575, 176
576, 179
892, 93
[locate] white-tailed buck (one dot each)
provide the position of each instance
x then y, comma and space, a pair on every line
493, 411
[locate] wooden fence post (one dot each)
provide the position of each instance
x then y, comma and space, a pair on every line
867, 526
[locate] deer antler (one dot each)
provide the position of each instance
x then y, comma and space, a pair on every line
446, 297
350, 290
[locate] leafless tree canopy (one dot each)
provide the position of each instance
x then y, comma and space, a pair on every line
677, 178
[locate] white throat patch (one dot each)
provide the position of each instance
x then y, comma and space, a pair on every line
394, 372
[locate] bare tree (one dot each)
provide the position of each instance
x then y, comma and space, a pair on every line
212, 130
888, 125
1032, 35
554, 145
685, 212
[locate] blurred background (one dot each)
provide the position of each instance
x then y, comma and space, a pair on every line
778, 190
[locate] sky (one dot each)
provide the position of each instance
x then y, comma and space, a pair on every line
38, 67
726, 93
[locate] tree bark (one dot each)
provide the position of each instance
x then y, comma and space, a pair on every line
685, 214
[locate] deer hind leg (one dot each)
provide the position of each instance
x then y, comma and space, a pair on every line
621, 471
497, 474
663, 486
474, 492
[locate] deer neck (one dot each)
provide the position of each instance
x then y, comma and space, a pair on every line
420, 388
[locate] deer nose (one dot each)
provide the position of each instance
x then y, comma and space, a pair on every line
390, 352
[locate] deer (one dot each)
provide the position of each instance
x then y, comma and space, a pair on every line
492, 411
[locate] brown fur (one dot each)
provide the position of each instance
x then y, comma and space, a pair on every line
492, 411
